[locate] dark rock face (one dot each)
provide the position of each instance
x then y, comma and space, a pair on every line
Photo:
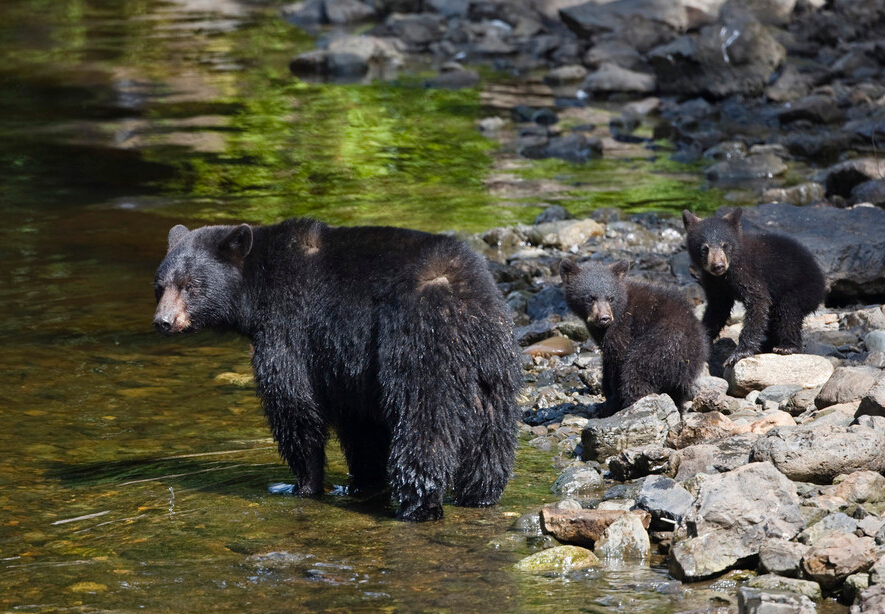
852, 259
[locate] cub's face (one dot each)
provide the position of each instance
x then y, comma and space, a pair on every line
199, 282
595, 293
713, 242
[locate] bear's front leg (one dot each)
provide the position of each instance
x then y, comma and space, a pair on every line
753, 332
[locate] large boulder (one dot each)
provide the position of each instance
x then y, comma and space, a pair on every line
853, 259
733, 515
812, 453
734, 56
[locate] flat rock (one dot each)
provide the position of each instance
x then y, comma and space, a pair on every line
782, 557
763, 370
765, 601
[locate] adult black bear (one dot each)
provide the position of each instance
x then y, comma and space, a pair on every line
651, 341
397, 339
775, 277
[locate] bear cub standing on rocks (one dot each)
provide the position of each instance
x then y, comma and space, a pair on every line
775, 277
397, 339
651, 341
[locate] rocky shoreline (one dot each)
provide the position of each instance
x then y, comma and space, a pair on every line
776, 466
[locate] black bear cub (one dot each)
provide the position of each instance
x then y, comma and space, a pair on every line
398, 340
774, 276
651, 341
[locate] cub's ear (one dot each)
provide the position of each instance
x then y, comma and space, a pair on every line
733, 217
237, 244
689, 219
176, 234
620, 268
568, 269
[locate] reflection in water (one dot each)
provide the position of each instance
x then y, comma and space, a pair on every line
134, 478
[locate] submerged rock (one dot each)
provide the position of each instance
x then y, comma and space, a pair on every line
559, 559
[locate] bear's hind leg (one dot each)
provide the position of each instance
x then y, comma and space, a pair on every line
786, 329
486, 457
366, 447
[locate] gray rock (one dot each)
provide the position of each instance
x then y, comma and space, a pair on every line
875, 341
802, 194
763, 370
624, 539
665, 500
846, 385
873, 402
817, 454
613, 51
577, 482
817, 108
853, 259
341, 12
646, 422
592, 18
740, 170
736, 55
718, 457
836, 522
724, 526
782, 557
765, 601
872, 191
613, 78
877, 571
778, 393
634, 463
789, 85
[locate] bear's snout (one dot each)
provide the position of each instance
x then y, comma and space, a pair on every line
171, 315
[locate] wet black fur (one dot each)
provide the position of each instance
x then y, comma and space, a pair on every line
397, 339
774, 276
653, 344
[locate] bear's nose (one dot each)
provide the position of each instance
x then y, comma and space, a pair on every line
604, 320
718, 268
162, 325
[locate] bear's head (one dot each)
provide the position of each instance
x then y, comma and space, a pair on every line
199, 284
595, 293
713, 243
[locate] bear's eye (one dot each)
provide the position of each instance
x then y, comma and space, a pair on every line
705, 249
158, 290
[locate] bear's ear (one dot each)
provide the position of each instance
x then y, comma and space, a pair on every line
568, 269
733, 217
176, 234
689, 219
620, 268
237, 244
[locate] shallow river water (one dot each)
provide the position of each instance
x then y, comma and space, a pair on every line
137, 470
